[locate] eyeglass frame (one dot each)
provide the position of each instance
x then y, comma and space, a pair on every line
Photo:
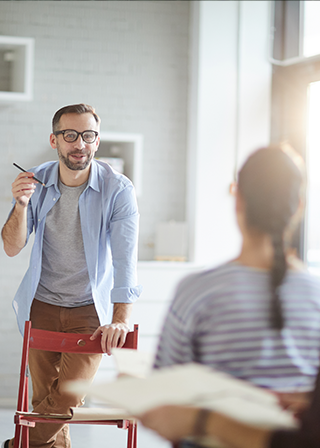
78, 133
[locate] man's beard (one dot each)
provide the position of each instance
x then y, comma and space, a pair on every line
77, 166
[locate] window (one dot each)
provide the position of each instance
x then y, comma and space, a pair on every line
295, 31
296, 107
312, 236
311, 31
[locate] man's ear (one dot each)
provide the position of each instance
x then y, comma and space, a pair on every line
97, 142
53, 141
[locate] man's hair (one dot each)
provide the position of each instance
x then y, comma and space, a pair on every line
73, 109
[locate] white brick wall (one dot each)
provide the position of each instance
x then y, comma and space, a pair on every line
129, 59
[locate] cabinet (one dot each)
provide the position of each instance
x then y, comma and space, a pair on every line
129, 148
16, 68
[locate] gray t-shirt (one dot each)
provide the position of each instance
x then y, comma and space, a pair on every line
64, 276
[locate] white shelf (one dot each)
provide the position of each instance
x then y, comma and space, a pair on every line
16, 68
129, 148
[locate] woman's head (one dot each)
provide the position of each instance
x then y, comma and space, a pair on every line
270, 184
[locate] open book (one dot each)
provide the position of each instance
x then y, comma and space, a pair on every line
133, 362
192, 385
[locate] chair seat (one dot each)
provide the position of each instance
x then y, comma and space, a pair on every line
82, 414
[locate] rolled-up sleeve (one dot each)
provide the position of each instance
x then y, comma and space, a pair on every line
124, 247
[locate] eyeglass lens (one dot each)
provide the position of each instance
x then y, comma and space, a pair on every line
87, 136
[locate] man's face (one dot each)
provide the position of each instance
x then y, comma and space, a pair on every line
78, 154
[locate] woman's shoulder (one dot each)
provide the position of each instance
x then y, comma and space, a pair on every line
303, 277
198, 283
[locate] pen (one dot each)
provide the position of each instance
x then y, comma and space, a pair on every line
25, 171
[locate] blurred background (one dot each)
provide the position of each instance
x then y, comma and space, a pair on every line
185, 91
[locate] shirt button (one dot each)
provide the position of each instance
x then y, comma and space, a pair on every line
54, 199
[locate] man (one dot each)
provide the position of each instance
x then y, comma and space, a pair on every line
85, 220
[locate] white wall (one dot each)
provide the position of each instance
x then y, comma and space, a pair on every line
230, 93
213, 123
229, 116
130, 61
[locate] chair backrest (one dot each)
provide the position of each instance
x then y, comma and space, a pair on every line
58, 342
53, 341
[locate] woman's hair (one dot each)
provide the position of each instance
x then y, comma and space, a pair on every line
270, 183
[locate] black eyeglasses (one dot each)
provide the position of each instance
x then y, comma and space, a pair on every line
70, 135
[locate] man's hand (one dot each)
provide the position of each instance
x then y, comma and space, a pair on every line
14, 232
113, 335
23, 188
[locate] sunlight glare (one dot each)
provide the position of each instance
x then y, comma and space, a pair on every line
311, 34
313, 169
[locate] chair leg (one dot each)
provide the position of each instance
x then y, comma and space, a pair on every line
25, 429
25, 437
135, 435
17, 436
132, 436
21, 437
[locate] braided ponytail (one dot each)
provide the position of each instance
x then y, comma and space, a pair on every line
270, 184
278, 272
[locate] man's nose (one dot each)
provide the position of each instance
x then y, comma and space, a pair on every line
80, 143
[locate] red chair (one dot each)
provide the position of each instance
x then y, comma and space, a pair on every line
67, 343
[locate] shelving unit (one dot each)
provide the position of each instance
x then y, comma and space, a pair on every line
16, 68
128, 147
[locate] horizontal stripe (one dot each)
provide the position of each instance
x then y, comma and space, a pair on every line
220, 317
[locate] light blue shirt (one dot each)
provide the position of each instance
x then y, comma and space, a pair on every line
109, 222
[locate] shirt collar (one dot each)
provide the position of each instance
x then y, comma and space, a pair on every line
93, 176
53, 178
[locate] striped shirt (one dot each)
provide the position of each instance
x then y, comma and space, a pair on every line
221, 318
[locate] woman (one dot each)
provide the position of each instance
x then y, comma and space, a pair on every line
258, 316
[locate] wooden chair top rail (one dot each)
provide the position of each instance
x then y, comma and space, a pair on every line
73, 342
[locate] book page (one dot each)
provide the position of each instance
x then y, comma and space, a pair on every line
133, 362
195, 385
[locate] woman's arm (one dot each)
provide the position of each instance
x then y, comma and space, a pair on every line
178, 422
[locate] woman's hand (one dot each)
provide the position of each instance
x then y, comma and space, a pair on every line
170, 422
296, 402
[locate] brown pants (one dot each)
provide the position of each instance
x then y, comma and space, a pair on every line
49, 370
